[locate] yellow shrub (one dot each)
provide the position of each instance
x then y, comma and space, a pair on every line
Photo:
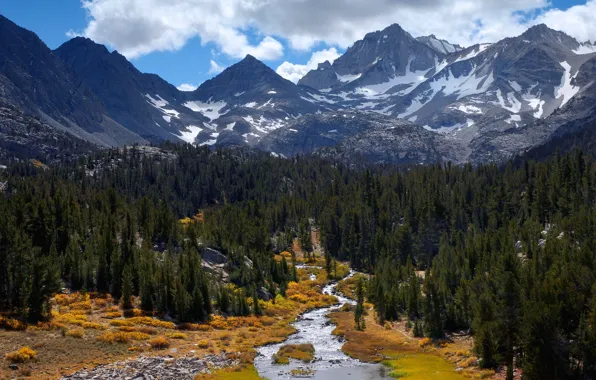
100, 303
76, 333
204, 328
204, 343
93, 325
219, 323
127, 328
178, 335
12, 324
21, 356
469, 362
84, 305
147, 330
159, 343
121, 336
73, 319
388, 325
122, 322
113, 314
424, 342
137, 335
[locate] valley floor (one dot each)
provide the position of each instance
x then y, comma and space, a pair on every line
89, 330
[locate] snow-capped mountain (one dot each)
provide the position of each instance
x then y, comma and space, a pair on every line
146, 104
247, 101
389, 98
439, 45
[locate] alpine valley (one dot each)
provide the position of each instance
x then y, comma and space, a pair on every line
390, 98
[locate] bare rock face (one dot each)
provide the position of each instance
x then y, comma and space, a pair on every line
157, 367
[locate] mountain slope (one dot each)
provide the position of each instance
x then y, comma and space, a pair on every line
247, 101
382, 60
143, 103
354, 135
34, 79
441, 46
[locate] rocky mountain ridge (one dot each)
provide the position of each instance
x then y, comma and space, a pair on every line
390, 97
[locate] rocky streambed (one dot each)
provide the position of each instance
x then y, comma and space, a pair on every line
156, 367
330, 362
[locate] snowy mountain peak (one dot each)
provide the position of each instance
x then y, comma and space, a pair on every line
439, 45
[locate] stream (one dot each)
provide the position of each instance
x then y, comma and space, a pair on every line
330, 362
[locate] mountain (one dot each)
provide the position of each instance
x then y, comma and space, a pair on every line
24, 137
477, 96
349, 135
382, 61
247, 101
389, 98
34, 79
144, 103
440, 46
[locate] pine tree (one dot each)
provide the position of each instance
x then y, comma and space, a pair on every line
127, 288
359, 319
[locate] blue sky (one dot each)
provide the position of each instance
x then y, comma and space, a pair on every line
188, 41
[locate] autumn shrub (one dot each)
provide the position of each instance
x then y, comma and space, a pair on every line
75, 333
22, 355
12, 324
203, 343
93, 325
425, 342
178, 335
469, 362
159, 343
147, 330
113, 314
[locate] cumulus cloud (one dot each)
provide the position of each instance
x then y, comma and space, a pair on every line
577, 21
240, 27
295, 72
215, 68
187, 87
138, 27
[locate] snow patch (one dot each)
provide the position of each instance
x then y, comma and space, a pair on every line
211, 110
347, 78
191, 133
566, 90
515, 105
469, 109
160, 103
585, 49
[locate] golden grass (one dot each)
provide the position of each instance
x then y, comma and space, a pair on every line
238, 373
302, 352
420, 366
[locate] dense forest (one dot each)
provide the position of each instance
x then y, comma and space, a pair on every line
507, 253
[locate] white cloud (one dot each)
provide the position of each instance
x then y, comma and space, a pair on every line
295, 72
577, 21
137, 27
187, 87
215, 68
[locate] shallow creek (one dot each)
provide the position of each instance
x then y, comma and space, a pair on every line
330, 362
